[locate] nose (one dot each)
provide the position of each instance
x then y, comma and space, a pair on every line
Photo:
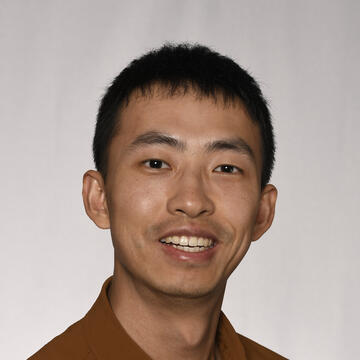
190, 197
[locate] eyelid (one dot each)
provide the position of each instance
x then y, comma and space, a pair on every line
238, 170
154, 159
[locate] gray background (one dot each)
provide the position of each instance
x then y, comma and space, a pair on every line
297, 290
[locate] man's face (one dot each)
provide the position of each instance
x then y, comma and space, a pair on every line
183, 192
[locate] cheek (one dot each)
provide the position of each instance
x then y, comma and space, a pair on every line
133, 200
239, 206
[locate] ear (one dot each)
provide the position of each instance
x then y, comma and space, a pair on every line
266, 211
94, 198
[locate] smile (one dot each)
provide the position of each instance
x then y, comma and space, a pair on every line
188, 243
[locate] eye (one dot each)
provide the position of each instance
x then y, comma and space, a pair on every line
156, 164
230, 169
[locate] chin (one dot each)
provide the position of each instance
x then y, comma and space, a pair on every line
186, 293
189, 291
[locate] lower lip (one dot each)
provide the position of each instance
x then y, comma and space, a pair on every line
178, 254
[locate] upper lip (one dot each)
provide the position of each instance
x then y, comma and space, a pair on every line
190, 231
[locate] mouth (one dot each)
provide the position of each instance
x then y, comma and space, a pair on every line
191, 244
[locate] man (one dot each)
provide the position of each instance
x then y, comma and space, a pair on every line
184, 150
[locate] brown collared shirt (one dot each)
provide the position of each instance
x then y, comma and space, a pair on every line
100, 336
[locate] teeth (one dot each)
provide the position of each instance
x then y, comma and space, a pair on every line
174, 239
188, 243
184, 241
190, 249
193, 241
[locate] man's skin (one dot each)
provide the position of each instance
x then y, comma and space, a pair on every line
167, 299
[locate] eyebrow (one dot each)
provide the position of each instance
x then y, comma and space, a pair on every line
156, 137
236, 144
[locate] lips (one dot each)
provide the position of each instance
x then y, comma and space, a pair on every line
188, 243
191, 240
195, 232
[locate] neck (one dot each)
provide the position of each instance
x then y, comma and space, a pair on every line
164, 326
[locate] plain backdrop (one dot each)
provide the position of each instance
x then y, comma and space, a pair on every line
297, 290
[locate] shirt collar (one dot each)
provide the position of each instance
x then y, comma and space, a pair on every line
108, 339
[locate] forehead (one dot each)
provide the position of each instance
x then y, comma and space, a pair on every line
187, 116
159, 104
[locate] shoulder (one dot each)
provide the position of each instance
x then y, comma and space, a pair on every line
69, 345
255, 351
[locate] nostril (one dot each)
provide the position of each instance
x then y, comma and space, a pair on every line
191, 204
191, 212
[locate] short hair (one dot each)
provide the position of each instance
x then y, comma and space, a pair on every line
184, 67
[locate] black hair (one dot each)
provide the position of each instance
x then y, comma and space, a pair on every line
184, 67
